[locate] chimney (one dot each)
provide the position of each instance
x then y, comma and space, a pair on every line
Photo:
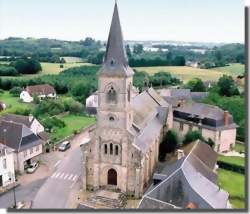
226, 118
180, 154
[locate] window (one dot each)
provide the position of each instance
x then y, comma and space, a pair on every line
31, 150
105, 149
112, 95
129, 95
181, 126
112, 62
4, 163
111, 149
111, 118
116, 150
37, 148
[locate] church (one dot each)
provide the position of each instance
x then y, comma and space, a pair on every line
123, 150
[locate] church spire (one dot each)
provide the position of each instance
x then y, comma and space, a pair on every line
115, 61
115, 52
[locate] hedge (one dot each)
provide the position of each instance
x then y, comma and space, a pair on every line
231, 167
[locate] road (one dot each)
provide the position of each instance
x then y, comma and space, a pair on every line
55, 192
23, 193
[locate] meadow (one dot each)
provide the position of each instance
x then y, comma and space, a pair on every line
186, 73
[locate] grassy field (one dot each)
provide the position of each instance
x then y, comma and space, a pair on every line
13, 103
186, 73
72, 59
234, 184
73, 123
240, 161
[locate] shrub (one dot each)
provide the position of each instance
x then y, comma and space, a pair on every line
15, 91
168, 144
73, 106
49, 107
52, 122
23, 111
6, 70
231, 167
192, 136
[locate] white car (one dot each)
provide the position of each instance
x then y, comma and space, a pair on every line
32, 167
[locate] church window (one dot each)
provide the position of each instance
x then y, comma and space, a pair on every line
111, 149
116, 150
129, 95
111, 118
132, 155
112, 62
105, 149
112, 95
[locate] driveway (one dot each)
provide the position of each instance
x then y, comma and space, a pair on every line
58, 187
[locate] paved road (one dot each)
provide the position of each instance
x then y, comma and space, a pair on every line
23, 193
57, 188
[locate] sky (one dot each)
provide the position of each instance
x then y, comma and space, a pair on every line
176, 20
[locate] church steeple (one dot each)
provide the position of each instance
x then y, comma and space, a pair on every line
115, 60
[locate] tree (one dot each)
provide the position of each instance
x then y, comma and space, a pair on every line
227, 86
27, 66
169, 144
88, 41
196, 85
15, 91
192, 136
179, 61
138, 49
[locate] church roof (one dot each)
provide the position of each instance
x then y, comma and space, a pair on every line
148, 119
183, 182
115, 60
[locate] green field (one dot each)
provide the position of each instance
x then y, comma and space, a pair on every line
13, 103
69, 59
73, 123
234, 184
186, 73
240, 161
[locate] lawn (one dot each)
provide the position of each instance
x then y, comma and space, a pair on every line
73, 123
186, 73
234, 184
240, 161
239, 147
13, 103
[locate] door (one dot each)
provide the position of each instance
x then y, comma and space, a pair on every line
112, 177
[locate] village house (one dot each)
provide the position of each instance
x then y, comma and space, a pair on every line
7, 169
41, 91
211, 121
123, 150
26, 145
188, 183
29, 121
2, 106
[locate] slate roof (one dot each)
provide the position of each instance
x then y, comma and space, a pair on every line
150, 113
26, 120
44, 89
190, 180
210, 116
174, 92
17, 136
197, 96
115, 60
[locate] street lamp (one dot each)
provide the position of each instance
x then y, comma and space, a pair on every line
12, 177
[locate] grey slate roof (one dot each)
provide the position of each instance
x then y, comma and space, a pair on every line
197, 96
17, 136
26, 120
115, 60
210, 116
191, 179
150, 113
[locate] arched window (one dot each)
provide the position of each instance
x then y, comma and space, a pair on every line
129, 94
105, 149
112, 95
116, 150
111, 149
111, 118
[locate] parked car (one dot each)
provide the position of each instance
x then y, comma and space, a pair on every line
64, 146
32, 167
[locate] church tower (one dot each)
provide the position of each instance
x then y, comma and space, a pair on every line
115, 82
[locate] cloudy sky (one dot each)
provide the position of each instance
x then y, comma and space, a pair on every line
179, 20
